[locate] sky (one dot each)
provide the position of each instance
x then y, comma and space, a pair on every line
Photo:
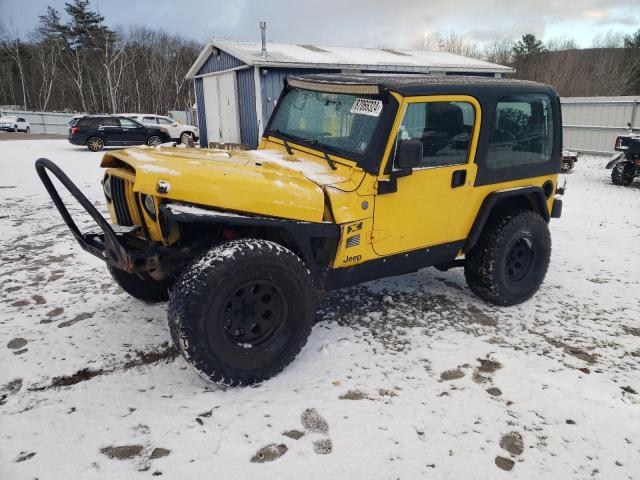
368, 23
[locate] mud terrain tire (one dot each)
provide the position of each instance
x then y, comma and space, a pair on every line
242, 311
623, 174
149, 290
510, 261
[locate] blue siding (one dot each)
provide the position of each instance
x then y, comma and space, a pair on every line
272, 83
219, 62
202, 118
246, 88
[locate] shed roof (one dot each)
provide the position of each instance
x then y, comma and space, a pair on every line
318, 56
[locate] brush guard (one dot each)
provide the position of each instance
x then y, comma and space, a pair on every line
109, 245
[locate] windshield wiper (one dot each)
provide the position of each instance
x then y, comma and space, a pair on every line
332, 164
284, 140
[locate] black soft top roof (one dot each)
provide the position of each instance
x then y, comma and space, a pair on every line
423, 84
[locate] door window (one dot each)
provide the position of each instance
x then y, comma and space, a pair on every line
165, 121
149, 120
444, 128
128, 123
522, 132
109, 122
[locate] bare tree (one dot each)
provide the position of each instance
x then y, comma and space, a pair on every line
13, 47
449, 42
499, 51
112, 50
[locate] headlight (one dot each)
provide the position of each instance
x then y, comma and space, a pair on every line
106, 186
149, 205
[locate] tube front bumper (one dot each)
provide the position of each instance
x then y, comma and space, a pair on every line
110, 245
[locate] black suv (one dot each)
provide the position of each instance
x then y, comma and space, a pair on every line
97, 132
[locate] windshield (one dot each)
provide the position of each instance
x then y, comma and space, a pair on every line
334, 120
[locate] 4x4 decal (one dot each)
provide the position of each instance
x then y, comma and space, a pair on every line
354, 228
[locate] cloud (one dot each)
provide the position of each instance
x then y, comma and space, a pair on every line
353, 22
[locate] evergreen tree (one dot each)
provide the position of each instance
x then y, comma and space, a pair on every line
527, 48
85, 28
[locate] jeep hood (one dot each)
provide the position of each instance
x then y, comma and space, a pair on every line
263, 182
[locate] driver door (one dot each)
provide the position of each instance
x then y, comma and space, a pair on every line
419, 213
132, 133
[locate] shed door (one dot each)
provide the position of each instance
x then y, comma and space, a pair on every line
221, 108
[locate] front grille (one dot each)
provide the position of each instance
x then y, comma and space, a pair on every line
120, 205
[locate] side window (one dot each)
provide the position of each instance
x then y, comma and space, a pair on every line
86, 122
149, 120
128, 123
109, 122
444, 128
22, 120
164, 121
522, 132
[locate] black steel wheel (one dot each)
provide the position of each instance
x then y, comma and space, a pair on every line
511, 258
623, 174
254, 312
242, 311
520, 259
95, 144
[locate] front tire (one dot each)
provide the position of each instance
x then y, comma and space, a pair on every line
95, 144
623, 174
28, 130
15, 129
147, 290
242, 311
509, 262
185, 138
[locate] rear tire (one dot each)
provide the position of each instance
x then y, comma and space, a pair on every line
148, 290
242, 311
15, 129
95, 144
510, 261
28, 130
154, 141
623, 174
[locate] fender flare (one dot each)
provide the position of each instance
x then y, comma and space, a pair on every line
534, 194
617, 158
302, 233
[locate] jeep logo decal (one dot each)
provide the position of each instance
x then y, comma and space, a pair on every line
352, 258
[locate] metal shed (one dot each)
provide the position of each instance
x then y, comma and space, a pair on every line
237, 84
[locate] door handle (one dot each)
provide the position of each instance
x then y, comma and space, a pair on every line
458, 178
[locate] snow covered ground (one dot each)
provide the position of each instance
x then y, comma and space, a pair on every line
409, 377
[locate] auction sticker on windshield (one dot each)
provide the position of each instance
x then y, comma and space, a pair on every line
367, 106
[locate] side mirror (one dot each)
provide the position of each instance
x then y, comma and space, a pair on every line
409, 154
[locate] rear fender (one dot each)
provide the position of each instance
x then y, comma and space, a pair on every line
533, 197
617, 158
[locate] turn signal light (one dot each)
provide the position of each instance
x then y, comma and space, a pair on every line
618, 142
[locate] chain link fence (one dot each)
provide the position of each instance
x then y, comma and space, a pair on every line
43, 122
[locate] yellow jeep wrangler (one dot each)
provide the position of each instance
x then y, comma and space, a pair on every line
356, 177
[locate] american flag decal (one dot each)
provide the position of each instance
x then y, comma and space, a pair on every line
353, 241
